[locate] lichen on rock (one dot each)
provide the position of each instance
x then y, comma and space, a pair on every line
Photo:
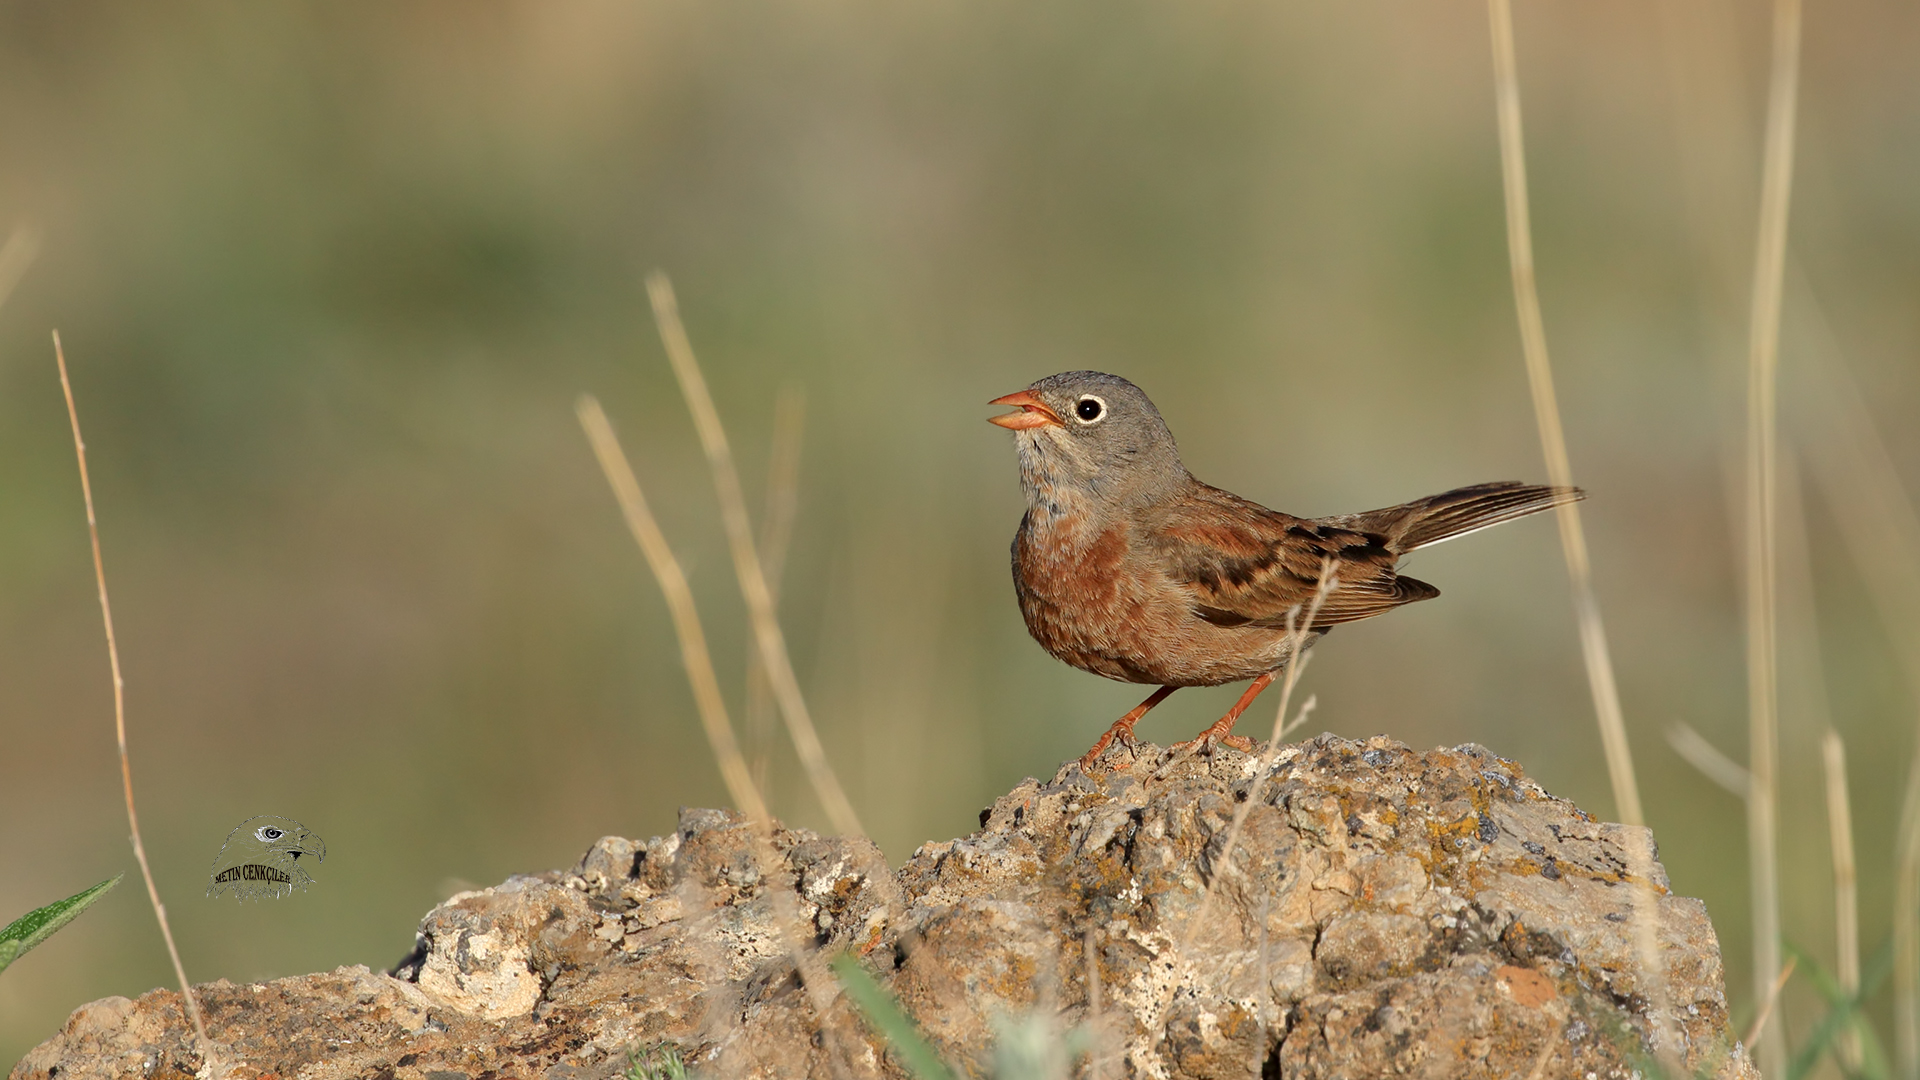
1380, 912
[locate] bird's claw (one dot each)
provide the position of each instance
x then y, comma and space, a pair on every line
1122, 738
1208, 739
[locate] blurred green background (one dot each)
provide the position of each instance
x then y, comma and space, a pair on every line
331, 276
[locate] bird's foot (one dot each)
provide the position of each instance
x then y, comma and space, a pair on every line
1122, 729
1115, 736
1211, 737
1222, 730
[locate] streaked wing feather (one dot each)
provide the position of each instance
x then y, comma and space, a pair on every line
1246, 565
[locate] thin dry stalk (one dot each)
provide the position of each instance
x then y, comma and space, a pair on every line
746, 562
1763, 361
1846, 887
1547, 1047
1096, 1019
1694, 748
1881, 527
1546, 411
698, 661
686, 617
1306, 707
776, 533
120, 705
1759, 1026
1299, 625
1643, 908
1573, 541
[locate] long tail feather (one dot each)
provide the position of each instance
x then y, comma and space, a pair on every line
1428, 521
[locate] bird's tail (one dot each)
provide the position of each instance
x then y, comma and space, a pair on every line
1424, 522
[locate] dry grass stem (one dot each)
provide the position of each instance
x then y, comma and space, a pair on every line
1573, 541
120, 703
746, 561
1694, 748
1546, 411
686, 618
1880, 525
1547, 1047
698, 661
1759, 1026
1763, 355
1644, 924
1096, 1021
776, 533
1299, 625
1846, 887
1306, 708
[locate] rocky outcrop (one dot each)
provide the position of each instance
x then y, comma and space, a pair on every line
1379, 912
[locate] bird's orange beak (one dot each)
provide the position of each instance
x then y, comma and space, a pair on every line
1033, 412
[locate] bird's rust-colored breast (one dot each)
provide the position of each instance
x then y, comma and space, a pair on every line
1080, 599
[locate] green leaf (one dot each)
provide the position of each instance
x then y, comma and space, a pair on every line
39, 924
887, 1019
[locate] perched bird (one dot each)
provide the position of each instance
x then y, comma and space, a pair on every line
1128, 567
261, 858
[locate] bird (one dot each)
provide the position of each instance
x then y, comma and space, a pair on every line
261, 858
1127, 566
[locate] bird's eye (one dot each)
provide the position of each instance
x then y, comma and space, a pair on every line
269, 833
1089, 409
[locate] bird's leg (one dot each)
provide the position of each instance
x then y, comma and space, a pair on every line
1122, 728
1222, 729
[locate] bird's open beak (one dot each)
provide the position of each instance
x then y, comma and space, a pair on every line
1033, 412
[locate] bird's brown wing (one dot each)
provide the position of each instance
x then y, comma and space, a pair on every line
1244, 564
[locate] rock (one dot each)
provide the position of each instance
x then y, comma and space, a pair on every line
1379, 912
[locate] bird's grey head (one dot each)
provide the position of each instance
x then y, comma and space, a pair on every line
1093, 434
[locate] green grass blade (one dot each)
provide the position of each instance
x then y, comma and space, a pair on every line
661, 1061
1842, 1015
1873, 1057
889, 1021
39, 924
1809, 966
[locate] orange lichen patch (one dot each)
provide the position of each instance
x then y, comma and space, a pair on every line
1442, 855
1016, 983
1528, 987
1465, 825
1105, 874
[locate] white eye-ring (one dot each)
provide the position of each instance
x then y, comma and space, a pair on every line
1089, 409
